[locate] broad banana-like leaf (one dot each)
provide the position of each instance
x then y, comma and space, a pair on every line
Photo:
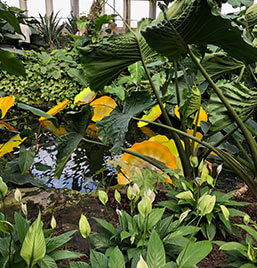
105, 60
218, 63
199, 24
251, 16
241, 98
112, 128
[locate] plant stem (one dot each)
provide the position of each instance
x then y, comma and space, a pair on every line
241, 74
229, 160
249, 138
10, 249
184, 159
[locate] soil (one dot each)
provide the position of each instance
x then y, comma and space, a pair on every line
67, 206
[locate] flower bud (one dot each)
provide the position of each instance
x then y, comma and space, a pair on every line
53, 222
103, 197
117, 196
150, 193
141, 263
84, 226
119, 213
3, 187
130, 193
145, 206
17, 195
24, 209
184, 215
135, 190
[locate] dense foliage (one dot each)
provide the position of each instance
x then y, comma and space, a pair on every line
49, 78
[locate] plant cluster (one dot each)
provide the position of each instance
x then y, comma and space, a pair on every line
50, 78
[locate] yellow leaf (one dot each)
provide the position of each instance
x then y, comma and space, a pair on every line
7, 126
102, 107
152, 116
198, 135
47, 124
5, 104
10, 145
85, 96
202, 117
56, 109
151, 149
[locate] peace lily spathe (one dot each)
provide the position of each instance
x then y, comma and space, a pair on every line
150, 193
141, 263
17, 195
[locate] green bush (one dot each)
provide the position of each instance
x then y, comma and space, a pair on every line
49, 78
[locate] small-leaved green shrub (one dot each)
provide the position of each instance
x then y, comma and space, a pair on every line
50, 78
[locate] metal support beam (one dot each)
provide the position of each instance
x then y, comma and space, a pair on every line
49, 7
126, 12
152, 10
24, 6
74, 4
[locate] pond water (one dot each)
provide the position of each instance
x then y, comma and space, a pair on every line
87, 167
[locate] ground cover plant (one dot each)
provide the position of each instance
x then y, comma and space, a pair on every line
213, 113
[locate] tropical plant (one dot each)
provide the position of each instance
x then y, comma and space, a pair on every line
241, 254
51, 30
188, 202
28, 245
169, 36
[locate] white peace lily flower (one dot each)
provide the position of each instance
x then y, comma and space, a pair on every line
119, 213
184, 215
24, 209
142, 263
135, 189
132, 239
198, 180
150, 193
17, 195
219, 168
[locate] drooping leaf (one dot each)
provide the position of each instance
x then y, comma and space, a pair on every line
11, 64
197, 23
78, 76
193, 254
26, 158
34, 246
156, 256
65, 148
218, 63
5, 104
105, 60
103, 106
58, 255
241, 98
81, 119
85, 96
11, 144
56, 109
112, 129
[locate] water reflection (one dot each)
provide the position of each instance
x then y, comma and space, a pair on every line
85, 162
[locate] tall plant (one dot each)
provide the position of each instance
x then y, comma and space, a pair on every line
172, 35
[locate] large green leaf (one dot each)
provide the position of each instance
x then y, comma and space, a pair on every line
78, 76
21, 226
80, 120
136, 71
59, 255
112, 128
197, 23
218, 63
193, 253
105, 60
10, 63
156, 256
34, 247
53, 243
116, 259
65, 148
98, 260
11, 19
47, 262
26, 158
241, 98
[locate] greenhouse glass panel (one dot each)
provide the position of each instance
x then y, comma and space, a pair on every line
12, 3
36, 7
63, 7
84, 6
139, 10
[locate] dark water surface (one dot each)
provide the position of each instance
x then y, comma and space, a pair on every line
80, 172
